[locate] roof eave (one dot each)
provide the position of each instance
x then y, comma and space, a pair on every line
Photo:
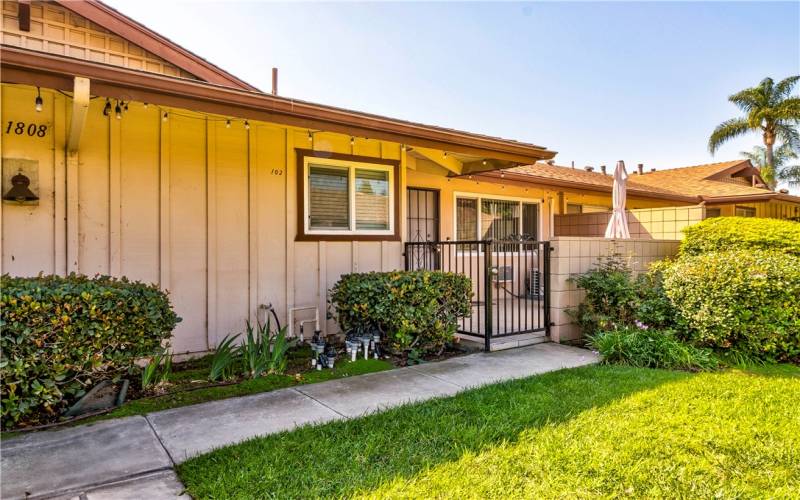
35, 68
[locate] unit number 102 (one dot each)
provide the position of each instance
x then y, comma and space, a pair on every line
31, 129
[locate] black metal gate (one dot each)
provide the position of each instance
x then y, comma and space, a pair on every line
510, 283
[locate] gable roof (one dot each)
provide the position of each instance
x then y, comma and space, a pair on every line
710, 180
713, 182
139, 34
545, 173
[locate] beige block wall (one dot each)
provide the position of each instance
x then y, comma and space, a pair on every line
645, 223
572, 256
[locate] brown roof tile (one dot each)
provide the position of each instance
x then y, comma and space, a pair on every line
692, 183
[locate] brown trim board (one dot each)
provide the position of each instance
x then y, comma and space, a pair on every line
301, 155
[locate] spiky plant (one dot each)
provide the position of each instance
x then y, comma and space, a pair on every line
782, 156
768, 108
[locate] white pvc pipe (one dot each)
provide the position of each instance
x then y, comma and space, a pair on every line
293, 310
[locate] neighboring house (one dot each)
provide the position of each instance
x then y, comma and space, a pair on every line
661, 202
125, 154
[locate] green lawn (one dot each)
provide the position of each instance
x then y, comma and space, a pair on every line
596, 431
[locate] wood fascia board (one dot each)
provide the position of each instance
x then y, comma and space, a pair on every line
441, 158
80, 109
38, 69
151, 41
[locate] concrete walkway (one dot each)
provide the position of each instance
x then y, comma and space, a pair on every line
134, 457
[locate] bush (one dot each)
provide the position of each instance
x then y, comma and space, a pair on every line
747, 300
732, 233
62, 335
614, 298
651, 348
611, 296
411, 308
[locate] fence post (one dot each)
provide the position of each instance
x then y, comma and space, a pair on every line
547, 249
487, 293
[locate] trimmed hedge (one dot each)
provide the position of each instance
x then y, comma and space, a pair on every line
739, 300
417, 309
731, 233
61, 335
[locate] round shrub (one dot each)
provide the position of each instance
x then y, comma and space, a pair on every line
731, 233
740, 300
411, 308
63, 334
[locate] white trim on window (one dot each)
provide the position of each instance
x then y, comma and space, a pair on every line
351, 167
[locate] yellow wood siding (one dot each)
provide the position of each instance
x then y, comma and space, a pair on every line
208, 212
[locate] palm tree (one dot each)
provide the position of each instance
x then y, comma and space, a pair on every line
768, 108
782, 155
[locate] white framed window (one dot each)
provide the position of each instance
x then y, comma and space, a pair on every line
483, 217
344, 197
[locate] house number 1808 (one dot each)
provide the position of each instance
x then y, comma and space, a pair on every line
31, 129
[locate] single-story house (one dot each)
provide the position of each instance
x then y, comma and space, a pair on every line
125, 154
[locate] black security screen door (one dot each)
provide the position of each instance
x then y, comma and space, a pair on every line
423, 225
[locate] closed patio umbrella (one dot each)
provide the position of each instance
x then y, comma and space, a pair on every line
618, 225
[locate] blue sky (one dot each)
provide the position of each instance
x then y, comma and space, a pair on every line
597, 82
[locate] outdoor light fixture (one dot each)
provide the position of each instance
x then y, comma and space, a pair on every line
145, 105
227, 124
20, 189
118, 111
107, 108
38, 101
310, 136
445, 154
164, 118
246, 125
352, 140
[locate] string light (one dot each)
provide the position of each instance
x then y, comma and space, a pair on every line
445, 154
484, 162
107, 108
164, 118
145, 105
227, 124
38, 100
246, 125
126, 106
310, 136
352, 140
118, 111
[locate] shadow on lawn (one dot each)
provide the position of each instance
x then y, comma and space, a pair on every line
343, 458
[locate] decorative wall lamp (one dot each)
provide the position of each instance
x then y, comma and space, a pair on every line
20, 190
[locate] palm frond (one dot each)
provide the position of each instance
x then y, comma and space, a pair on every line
787, 110
784, 88
789, 135
790, 175
747, 99
727, 130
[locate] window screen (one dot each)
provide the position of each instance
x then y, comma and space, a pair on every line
372, 199
467, 219
499, 219
328, 206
